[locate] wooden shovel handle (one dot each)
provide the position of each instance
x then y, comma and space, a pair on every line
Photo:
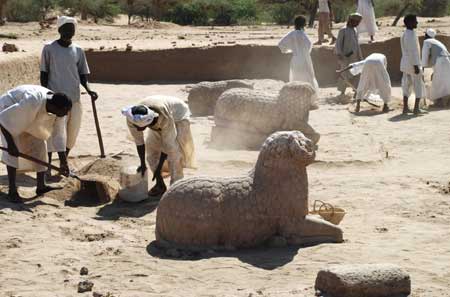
33, 159
99, 132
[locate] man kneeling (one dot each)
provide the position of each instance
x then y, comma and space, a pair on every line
27, 117
374, 82
169, 137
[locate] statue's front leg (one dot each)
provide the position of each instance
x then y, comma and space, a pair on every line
310, 230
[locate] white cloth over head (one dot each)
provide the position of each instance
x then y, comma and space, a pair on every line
374, 79
368, 23
140, 120
62, 20
431, 32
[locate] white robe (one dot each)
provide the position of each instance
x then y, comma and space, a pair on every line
375, 80
23, 113
368, 23
298, 43
440, 86
171, 134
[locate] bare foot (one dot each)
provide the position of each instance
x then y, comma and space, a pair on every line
45, 189
14, 197
157, 190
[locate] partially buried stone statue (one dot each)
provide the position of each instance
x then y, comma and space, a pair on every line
245, 118
246, 211
203, 96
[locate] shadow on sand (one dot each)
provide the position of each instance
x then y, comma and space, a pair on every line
264, 257
28, 205
118, 209
405, 117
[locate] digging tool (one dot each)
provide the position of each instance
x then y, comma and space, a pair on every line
88, 184
99, 132
40, 162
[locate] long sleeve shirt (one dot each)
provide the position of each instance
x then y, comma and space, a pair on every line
171, 110
347, 43
431, 50
410, 52
23, 110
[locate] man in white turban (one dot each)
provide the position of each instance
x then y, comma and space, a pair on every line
63, 69
436, 55
169, 137
348, 50
374, 83
27, 118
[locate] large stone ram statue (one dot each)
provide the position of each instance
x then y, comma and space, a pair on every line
246, 211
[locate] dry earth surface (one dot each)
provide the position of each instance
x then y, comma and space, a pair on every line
389, 172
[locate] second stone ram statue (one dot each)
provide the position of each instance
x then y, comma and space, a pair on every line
244, 118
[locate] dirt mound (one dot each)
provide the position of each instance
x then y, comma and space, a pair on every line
99, 184
108, 167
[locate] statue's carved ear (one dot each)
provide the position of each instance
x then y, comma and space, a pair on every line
294, 145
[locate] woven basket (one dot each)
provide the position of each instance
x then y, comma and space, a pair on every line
328, 212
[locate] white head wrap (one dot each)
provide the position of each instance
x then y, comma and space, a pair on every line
431, 32
140, 120
355, 15
65, 20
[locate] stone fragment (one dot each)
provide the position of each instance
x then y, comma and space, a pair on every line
85, 286
84, 271
368, 280
10, 47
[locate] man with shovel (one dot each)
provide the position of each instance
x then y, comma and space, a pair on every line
63, 68
27, 117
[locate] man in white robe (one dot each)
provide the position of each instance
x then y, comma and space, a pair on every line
436, 55
27, 117
299, 45
169, 137
410, 65
368, 23
374, 82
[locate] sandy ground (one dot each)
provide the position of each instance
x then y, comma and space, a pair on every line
386, 170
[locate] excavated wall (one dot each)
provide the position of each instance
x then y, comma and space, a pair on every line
226, 62
17, 69
198, 64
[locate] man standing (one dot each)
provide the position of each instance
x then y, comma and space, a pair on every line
63, 69
436, 55
169, 137
348, 50
368, 24
27, 117
299, 45
410, 65
325, 22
